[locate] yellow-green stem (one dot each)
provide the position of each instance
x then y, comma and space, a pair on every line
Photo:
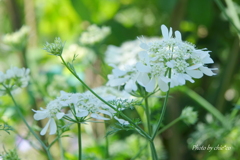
79, 142
25, 122
169, 125
161, 116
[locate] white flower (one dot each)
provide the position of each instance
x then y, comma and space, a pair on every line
84, 54
110, 93
94, 34
126, 54
18, 38
121, 77
52, 110
171, 61
14, 79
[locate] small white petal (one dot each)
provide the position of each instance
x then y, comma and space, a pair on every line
165, 79
82, 113
142, 55
163, 85
122, 121
63, 103
174, 82
207, 60
105, 112
151, 85
130, 86
117, 82
187, 77
144, 46
143, 79
170, 33
53, 126
164, 32
207, 71
194, 73
97, 116
40, 115
44, 130
181, 80
178, 35
170, 64
117, 72
195, 66
142, 68
59, 115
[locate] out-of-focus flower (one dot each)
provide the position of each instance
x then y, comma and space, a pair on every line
112, 93
189, 116
55, 48
85, 55
13, 80
17, 39
94, 34
126, 54
165, 61
23, 144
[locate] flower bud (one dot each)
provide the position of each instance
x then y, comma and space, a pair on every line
55, 48
189, 116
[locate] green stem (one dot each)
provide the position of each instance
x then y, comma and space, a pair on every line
147, 115
79, 142
123, 115
153, 150
169, 125
25, 122
61, 147
106, 147
162, 115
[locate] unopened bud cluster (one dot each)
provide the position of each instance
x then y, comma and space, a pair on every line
189, 116
55, 48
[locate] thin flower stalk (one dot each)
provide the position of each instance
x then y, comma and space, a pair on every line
30, 129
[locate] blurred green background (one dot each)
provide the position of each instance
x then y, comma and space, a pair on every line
201, 22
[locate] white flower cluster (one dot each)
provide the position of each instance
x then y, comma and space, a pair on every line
126, 54
169, 60
13, 80
94, 34
81, 105
17, 38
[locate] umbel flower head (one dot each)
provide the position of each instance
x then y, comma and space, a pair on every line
18, 39
94, 34
126, 54
55, 48
13, 80
164, 63
81, 105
